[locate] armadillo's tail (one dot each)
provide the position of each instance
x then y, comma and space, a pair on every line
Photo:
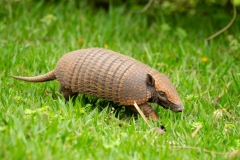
42, 78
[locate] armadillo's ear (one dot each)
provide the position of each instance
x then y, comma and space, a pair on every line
150, 80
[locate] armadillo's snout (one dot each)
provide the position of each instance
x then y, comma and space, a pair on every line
180, 108
177, 107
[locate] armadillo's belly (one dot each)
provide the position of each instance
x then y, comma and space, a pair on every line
104, 74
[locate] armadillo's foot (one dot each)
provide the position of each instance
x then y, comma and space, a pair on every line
147, 111
68, 94
160, 130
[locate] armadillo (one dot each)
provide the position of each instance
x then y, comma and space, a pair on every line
112, 76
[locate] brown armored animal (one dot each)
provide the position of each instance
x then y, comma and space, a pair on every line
114, 77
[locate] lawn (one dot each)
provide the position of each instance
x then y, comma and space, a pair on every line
36, 123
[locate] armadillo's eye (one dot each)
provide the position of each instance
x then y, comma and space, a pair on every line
162, 94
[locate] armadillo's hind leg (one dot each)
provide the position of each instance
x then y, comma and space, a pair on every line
147, 111
68, 94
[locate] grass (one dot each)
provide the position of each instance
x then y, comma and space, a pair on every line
36, 123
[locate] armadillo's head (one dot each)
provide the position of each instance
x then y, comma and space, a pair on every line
163, 92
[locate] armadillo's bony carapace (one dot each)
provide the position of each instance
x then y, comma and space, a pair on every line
114, 77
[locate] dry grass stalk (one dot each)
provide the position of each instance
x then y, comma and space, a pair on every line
196, 130
141, 114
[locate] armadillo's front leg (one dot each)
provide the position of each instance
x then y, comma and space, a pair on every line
147, 111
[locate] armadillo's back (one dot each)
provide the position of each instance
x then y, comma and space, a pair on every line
105, 74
